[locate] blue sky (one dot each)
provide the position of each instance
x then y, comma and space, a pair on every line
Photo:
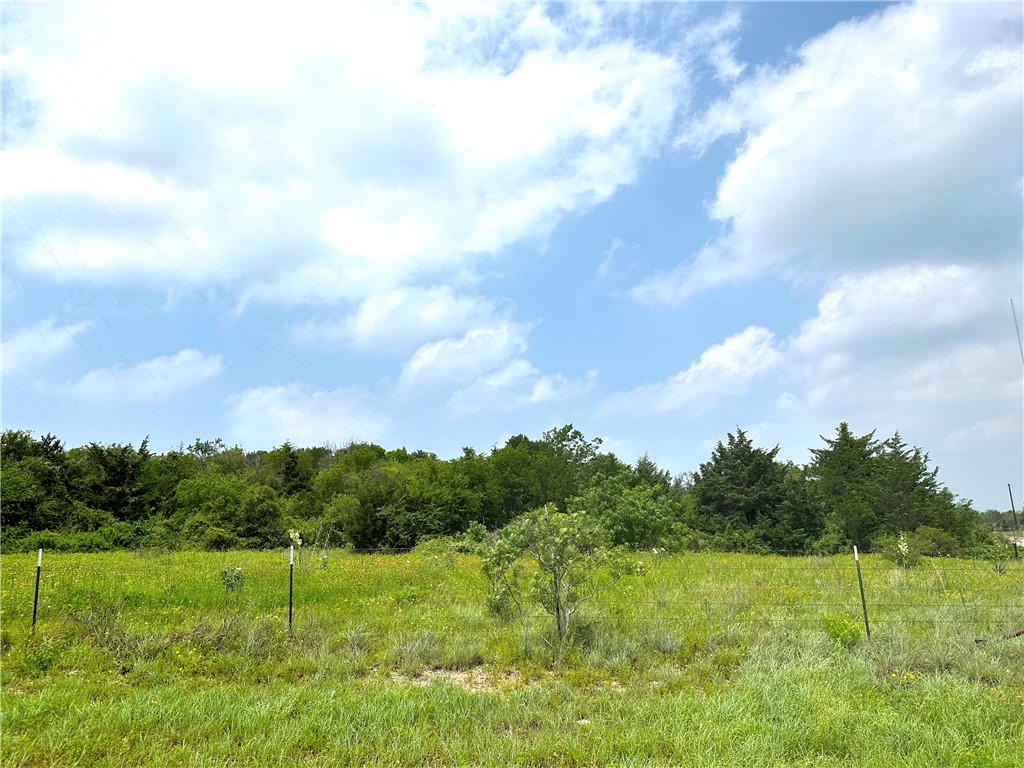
439, 225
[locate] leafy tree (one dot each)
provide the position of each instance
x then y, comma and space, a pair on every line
361, 526
217, 511
160, 476
564, 463
34, 497
570, 562
111, 478
516, 470
259, 522
477, 474
633, 514
35, 482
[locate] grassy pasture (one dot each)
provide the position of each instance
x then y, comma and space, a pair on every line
707, 660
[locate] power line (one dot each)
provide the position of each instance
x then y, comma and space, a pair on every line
1016, 325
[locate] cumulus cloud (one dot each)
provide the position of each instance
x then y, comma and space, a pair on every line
902, 315
459, 360
378, 146
842, 163
927, 349
516, 385
30, 348
398, 320
268, 416
484, 371
723, 370
924, 349
149, 381
929, 344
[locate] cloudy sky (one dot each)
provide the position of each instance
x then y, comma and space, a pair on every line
441, 224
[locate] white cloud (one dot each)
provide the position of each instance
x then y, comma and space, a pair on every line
377, 146
486, 372
914, 340
928, 351
400, 319
892, 139
897, 316
723, 370
149, 381
716, 37
268, 416
618, 262
29, 349
457, 361
516, 385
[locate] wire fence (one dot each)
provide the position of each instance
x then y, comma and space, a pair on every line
437, 590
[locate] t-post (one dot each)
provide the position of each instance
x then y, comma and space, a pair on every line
35, 601
291, 584
863, 602
1016, 529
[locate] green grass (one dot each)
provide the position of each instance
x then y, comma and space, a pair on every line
716, 660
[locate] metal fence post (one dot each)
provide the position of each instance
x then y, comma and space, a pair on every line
35, 601
863, 602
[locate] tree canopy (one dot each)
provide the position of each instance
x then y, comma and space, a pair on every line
854, 490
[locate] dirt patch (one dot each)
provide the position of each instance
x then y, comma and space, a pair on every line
474, 680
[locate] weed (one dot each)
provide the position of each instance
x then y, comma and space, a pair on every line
233, 579
842, 629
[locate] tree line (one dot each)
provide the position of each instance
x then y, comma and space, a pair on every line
856, 490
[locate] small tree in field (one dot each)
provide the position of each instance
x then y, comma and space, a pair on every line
556, 559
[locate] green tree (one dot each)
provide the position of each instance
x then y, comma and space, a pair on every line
259, 522
843, 474
516, 470
747, 499
111, 478
633, 514
296, 476
649, 473
570, 560
34, 493
219, 511
871, 491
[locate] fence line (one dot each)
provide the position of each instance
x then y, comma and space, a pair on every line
179, 585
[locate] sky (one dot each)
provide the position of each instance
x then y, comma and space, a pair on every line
438, 225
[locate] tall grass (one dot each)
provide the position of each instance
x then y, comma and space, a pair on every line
393, 660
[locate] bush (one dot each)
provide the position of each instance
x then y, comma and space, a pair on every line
901, 550
439, 550
218, 539
933, 541
67, 541
842, 629
469, 541
569, 559
233, 579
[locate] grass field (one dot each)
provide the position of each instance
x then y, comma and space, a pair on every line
707, 660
